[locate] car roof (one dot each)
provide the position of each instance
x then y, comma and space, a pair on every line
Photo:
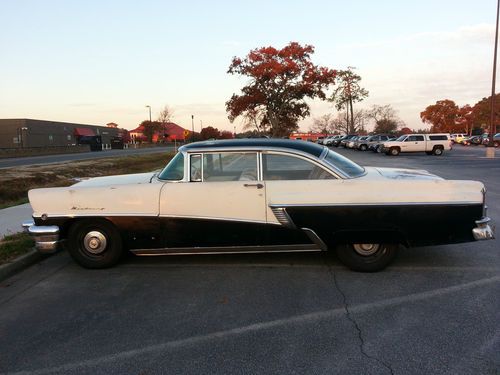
308, 147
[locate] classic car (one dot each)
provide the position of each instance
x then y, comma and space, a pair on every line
258, 195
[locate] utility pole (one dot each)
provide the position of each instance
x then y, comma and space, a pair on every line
490, 152
148, 106
192, 126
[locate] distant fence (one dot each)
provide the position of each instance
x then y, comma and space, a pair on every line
39, 151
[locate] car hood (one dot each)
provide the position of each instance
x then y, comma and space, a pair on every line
125, 179
401, 174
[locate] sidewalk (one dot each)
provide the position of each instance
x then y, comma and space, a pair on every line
12, 217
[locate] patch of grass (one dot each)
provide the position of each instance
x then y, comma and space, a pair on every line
14, 203
15, 182
15, 245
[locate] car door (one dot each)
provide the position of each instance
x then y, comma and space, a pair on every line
220, 203
414, 143
292, 180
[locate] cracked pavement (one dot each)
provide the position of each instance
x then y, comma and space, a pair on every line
435, 310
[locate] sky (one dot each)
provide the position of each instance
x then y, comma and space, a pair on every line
95, 62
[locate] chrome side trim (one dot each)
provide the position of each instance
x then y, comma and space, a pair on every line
374, 204
483, 230
315, 238
283, 217
160, 216
226, 250
97, 214
219, 219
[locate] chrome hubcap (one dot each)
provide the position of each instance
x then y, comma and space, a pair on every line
95, 242
366, 249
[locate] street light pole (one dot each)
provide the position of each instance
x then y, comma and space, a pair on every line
491, 143
192, 126
148, 106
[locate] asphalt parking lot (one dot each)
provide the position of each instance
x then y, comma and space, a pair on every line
436, 310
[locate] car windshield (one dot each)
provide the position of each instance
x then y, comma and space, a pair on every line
345, 165
401, 138
174, 171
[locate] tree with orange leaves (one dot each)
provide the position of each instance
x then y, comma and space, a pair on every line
280, 80
442, 116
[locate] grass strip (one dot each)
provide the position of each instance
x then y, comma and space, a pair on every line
15, 245
15, 182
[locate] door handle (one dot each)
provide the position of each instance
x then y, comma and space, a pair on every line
258, 186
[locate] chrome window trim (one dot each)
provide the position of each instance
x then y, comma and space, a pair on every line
338, 173
216, 150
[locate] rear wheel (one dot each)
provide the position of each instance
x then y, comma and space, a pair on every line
367, 257
94, 243
438, 151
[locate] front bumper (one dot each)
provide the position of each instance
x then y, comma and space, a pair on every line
483, 231
46, 237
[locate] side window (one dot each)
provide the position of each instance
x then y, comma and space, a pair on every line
411, 138
419, 138
230, 166
438, 137
195, 168
284, 167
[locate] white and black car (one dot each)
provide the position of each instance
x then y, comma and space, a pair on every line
255, 195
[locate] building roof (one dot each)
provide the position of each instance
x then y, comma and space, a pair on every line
308, 147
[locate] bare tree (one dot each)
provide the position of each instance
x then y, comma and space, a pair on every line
386, 119
165, 115
324, 124
349, 125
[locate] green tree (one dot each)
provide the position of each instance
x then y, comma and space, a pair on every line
347, 92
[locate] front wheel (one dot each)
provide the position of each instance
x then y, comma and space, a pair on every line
394, 151
367, 257
94, 243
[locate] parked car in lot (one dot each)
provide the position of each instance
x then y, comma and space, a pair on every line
377, 146
352, 142
365, 143
496, 139
429, 143
331, 139
347, 139
255, 195
475, 140
359, 140
458, 137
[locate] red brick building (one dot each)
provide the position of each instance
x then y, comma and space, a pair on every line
168, 133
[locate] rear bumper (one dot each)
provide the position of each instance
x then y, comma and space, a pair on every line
483, 230
46, 237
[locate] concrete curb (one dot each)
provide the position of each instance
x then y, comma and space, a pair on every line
20, 263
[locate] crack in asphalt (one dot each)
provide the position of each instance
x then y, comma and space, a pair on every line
351, 318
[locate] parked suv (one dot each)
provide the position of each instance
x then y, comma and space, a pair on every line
429, 143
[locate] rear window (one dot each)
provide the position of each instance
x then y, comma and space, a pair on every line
438, 137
